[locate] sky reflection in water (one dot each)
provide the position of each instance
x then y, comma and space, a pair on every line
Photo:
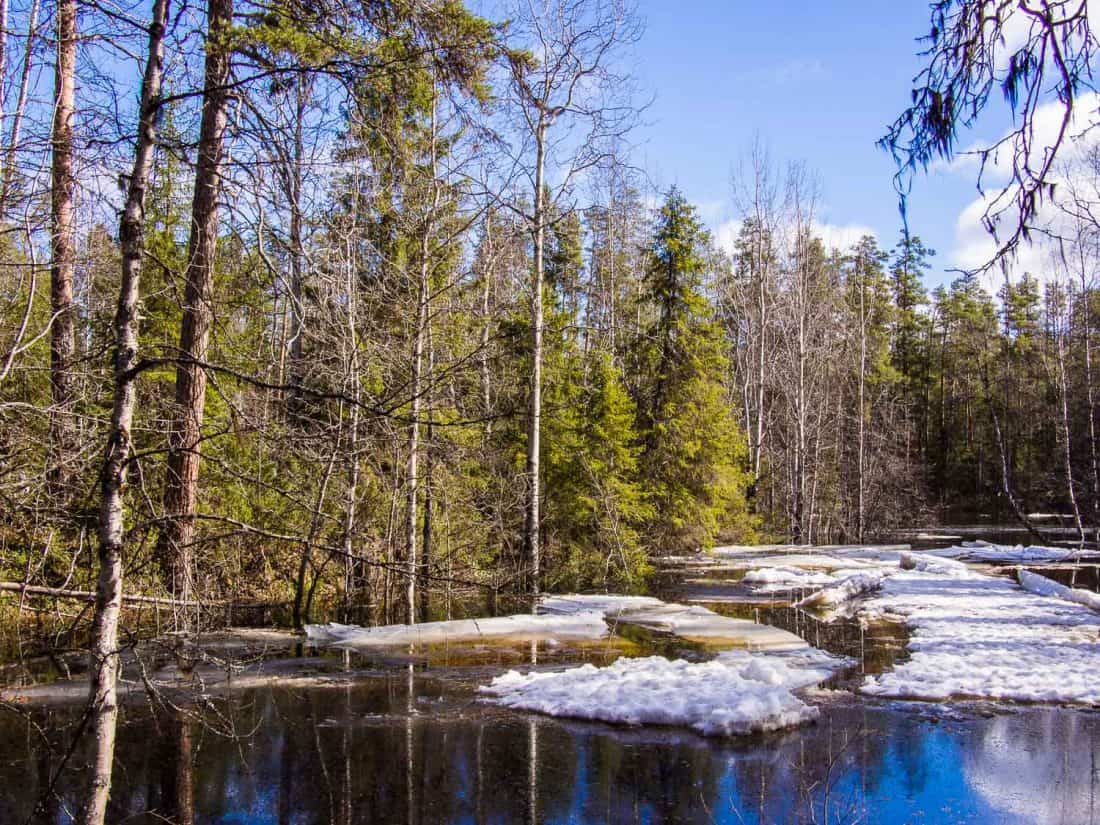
378, 752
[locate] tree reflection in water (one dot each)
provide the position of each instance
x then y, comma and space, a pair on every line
407, 748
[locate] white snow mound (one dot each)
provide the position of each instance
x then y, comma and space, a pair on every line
979, 636
983, 551
1043, 586
737, 693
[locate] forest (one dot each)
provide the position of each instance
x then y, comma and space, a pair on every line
368, 311
369, 308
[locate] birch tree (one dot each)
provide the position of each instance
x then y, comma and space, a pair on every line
563, 86
63, 252
104, 657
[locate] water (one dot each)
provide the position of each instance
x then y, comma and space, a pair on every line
411, 748
401, 736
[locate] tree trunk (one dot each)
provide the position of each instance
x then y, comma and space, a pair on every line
302, 604
531, 537
861, 411
351, 566
411, 467
177, 532
1006, 470
20, 111
63, 255
296, 367
103, 664
429, 472
1090, 399
1067, 448
483, 353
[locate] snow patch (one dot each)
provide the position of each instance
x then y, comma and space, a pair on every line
979, 636
1043, 586
983, 551
737, 693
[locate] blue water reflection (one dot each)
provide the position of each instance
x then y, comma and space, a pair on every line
426, 751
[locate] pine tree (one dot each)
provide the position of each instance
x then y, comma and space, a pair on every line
911, 261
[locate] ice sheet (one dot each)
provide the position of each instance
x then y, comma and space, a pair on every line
697, 623
588, 624
737, 693
845, 589
570, 617
1043, 586
982, 551
980, 636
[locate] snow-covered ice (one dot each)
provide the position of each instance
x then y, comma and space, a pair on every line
845, 589
982, 551
732, 551
736, 693
979, 636
697, 623
785, 579
924, 563
604, 603
588, 624
570, 617
786, 576
803, 560
1043, 586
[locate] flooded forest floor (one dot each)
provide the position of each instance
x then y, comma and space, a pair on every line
348, 726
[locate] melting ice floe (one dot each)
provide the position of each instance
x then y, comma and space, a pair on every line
736, 693
772, 579
845, 588
983, 551
570, 617
587, 624
1043, 586
973, 635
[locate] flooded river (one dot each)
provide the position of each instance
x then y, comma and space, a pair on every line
403, 736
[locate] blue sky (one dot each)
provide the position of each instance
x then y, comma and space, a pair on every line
817, 81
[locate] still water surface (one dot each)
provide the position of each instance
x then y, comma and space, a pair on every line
416, 749
393, 742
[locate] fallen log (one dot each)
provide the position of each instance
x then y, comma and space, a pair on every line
87, 595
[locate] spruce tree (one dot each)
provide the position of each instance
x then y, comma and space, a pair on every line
595, 506
693, 449
910, 333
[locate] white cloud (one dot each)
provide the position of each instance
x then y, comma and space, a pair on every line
725, 235
710, 210
974, 246
795, 71
833, 235
841, 236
